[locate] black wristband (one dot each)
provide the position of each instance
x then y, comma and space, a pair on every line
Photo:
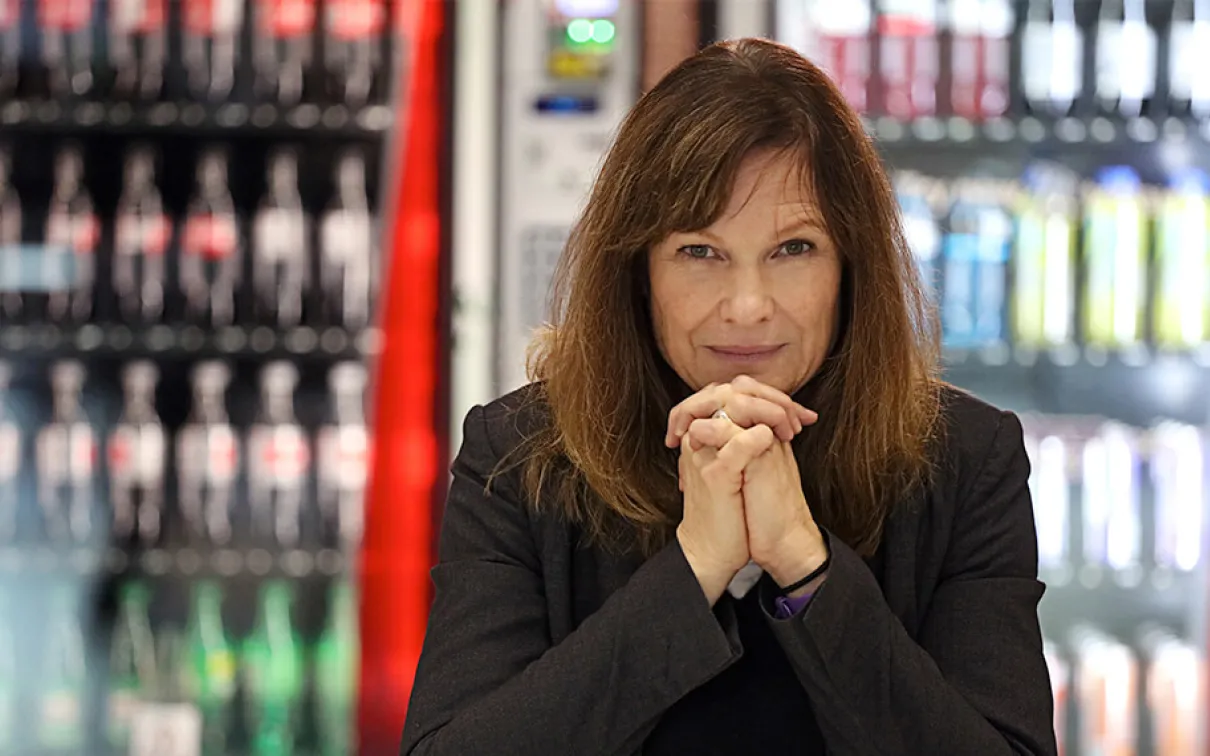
821, 569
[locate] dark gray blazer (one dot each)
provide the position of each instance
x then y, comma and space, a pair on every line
537, 647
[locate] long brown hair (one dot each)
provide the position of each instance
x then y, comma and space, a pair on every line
599, 459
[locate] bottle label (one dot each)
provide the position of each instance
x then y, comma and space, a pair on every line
10, 13
284, 456
65, 15
347, 452
10, 451
138, 16
1130, 77
213, 18
287, 18
346, 236
67, 452
79, 233
215, 448
213, 237
136, 452
142, 234
280, 235
352, 20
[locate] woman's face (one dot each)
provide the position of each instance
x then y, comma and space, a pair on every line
756, 292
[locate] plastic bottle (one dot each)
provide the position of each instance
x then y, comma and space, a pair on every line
1181, 317
1115, 248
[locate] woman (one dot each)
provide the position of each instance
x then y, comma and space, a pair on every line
738, 513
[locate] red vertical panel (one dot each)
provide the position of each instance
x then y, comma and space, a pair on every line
397, 553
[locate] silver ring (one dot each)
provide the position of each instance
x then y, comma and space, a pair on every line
721, 414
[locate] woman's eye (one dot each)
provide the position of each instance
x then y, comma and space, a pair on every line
697, 251
796, 247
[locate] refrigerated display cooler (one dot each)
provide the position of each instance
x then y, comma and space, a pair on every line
199, 206
1050, 159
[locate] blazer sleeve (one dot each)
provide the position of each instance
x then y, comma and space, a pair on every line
976, 680
489, 680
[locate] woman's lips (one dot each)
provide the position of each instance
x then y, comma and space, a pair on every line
745, 353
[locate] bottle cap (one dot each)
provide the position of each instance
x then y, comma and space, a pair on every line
1119, 178
1191, 180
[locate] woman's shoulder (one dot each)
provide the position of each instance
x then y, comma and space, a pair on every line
512, 419
977, 439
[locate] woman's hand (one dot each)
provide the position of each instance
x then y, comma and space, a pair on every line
783, 537
712, 533
747, 402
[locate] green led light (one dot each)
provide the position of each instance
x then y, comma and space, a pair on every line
580, 30
603, 31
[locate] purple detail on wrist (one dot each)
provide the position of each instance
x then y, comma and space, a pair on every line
788, 606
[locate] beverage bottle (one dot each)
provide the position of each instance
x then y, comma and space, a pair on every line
979, 57
343, 448
210, 49
1125, 58
283, 46
66, 29
138, 458
337, 657
1178, 480
347, 256
209, 670
1044, 260
10, 46
208, 455
1115, 250
281, 236
1052, 57
919, 199
976, 258
1189, 58
132, 662
273, 672
1111, 498
1181, 315
210, 245
1106, 677
1176, 694
279, 458
910, 63
1049, 487
63, 677
67, 451
142, 233
10, 461
72, 235
11, 255
353, 32
138, 46
836, 37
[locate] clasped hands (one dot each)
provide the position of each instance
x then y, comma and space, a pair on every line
743, 497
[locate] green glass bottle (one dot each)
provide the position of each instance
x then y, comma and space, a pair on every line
132, 667
337, 656
273, 670
209, 667
64, 677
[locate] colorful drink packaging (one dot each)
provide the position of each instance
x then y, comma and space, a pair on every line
910, 57
976, 252
979, 57
1052, 56
1181, 314
1044, 261
1178, 478
1107, 674
1176, 694
836, 36
920, 200
1111, 500
1115, 257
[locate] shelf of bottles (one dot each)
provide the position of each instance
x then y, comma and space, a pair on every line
1051, 161
188, 284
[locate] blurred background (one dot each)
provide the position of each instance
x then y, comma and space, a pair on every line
259, 257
